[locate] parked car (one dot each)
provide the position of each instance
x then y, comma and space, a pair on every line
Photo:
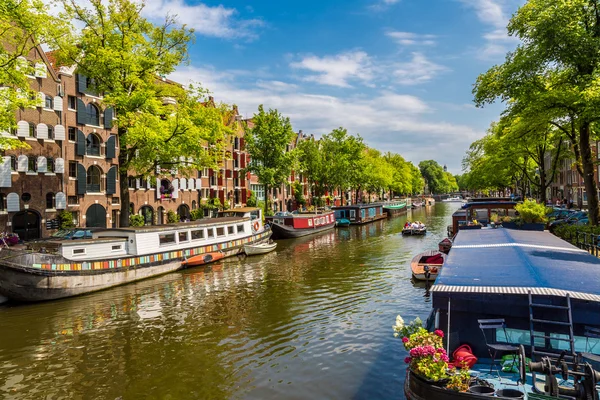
572, 219
73, 234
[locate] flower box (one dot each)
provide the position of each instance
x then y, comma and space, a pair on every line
524, 227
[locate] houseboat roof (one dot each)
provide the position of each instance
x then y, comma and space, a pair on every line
359, 206
489, 204
506, 261
242, 210
170, 227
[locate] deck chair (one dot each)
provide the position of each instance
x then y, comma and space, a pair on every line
494, 346
590, 333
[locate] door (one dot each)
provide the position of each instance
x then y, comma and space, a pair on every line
95, 217
26, 224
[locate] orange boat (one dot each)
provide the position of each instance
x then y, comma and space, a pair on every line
202, 259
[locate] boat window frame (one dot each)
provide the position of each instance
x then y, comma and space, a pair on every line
202, 234
210, 233
164, 235
79, 252
186, 239
240, 228
116, 247
230, 230
352, 214
222, 229
310, 222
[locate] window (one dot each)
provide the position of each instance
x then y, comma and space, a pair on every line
183, 236
231, 230
116, 247
50, 132
92, 146
78, 252
72, 101
210, 233
73, 169
75, 215
72, 134
93, 115
198, 234
166, 238
72, 200
93, 179
26, 197
32, 164
240, 229
2, 202
32, 129
193, 204
258, 191
49, 102
50, 201
115, 200
220, 231
131, 182
50, 164
13, 163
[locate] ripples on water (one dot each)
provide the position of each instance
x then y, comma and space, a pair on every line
309, 321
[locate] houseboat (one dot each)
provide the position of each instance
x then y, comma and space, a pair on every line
55, 269
288, 225
526, 295
480, 210
359, 214
453, 199
394, 208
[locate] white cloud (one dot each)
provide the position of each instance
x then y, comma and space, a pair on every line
411, 39
418, 70
381, 5
217, 21
337, 70
387, 120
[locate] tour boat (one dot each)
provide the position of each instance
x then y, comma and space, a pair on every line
287, 225
55, 269
454, 199
427, 265
522, 294
256, 249
395, 208
412, 231
202, 259
359, 214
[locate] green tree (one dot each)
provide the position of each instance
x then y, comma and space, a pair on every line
267, 138
310, 159
555, 69
417, 181
434, 176
160, 124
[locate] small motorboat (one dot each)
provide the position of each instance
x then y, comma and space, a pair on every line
445, 245
255, 249
202, 259
342, 222
427, 265
414, 231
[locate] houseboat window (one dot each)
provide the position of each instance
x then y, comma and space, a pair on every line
78, 252
166, 238
116, 248
327, 218
231, 230
352, 214
221, 231
310, 222
240, 228
198, 234
210, 233
183, 236
254, 215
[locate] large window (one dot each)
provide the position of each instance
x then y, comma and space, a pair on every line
50, 132
198, 234
93, 179
258, 191
31, 164
92, 147
50, 201
49, 103
32, 129
93, 114
166, 238
50, 165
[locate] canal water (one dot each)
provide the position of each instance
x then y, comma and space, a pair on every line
312, 320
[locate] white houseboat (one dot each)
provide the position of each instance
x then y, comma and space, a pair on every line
55, 269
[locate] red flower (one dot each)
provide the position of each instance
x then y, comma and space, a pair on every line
405, 340
407, 360
439, 333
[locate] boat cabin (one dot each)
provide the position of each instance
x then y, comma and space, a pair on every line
360, 213
480, 210
303, 220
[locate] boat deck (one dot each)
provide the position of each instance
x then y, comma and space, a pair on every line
499, 379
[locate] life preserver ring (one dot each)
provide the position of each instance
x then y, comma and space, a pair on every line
255, 226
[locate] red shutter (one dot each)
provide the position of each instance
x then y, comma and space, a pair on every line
244, 196
222, 196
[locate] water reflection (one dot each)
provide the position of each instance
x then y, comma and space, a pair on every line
310, 320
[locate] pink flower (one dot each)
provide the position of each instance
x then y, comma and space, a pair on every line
405, 340
407, 360
439, 333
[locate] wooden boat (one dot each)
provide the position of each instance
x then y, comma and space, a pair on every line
286, 225
411, 231
533, 284
395, 208
256, 249
54, 269
359, 214
427, 265
445, 245
202, 259
342, 222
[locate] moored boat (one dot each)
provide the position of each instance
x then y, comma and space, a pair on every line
55, 269
395, 208
342, 222
427, 265
202, 259
445, 245
454, 199
359, 214
257, 249
287, 225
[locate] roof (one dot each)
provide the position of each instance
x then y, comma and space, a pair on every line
242, 209
170, 227
514, 262
490, 203
358, 206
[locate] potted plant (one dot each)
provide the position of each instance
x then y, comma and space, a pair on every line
532, 217
459, 378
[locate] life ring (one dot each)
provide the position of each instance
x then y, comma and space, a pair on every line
255, 226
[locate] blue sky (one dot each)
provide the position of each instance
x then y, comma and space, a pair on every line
397, 72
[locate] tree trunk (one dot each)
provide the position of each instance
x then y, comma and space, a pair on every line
543, 184
588, 172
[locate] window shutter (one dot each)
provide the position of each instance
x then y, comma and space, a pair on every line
137, 183
5, 179
59, 132
183, 184
191, 184
111, 181
42, 131
22, 163
59, 166
244, 196
12, 203
82, 115
158, 194
41, 99
58, 103
61, 201
40, 70
111, 144
80, 143
198, 184
22, 129
42, 164
175, 188
108, 117
81, 179
81, 83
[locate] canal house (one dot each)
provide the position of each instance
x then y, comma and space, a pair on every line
360, 213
